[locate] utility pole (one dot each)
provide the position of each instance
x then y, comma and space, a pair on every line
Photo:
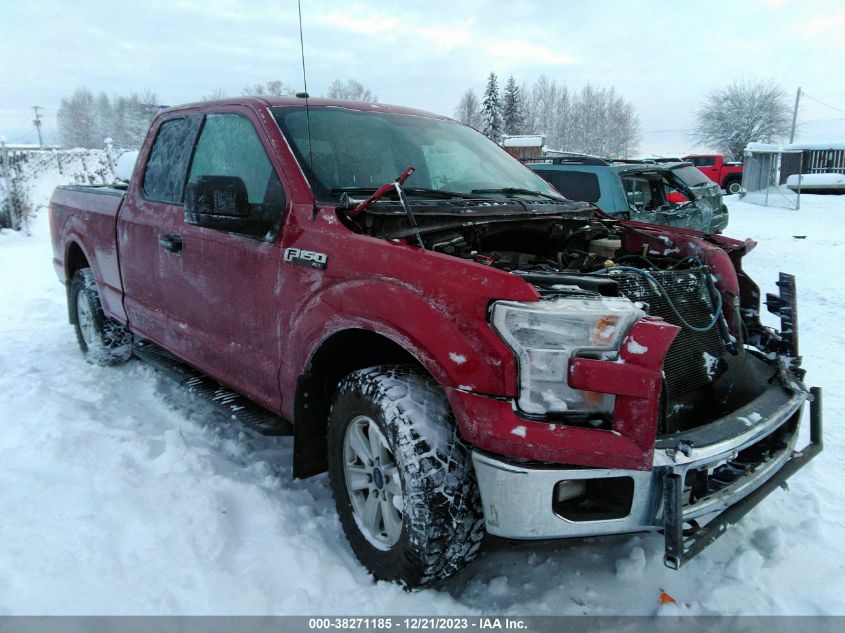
37, 124
795, 115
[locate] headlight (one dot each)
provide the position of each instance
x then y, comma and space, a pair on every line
545, 334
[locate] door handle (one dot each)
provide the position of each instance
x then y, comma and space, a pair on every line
172, 243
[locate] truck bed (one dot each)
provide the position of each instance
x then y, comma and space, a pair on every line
83, 222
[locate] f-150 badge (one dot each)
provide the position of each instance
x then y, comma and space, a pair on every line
308, 258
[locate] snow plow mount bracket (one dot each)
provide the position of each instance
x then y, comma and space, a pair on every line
682, 545
783, 305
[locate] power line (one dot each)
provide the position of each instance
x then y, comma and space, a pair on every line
20, 138
827, 105
821, 121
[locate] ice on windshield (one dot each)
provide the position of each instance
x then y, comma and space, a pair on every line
356, 149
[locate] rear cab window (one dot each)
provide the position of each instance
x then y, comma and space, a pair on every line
164, 174
702, 161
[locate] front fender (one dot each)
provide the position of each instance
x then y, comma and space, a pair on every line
458, 351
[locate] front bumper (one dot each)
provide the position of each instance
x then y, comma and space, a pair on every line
519, 499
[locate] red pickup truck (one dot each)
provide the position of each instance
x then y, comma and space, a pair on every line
727, 174
461, 348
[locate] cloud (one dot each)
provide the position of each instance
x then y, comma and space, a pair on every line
445, 38
353, 20
830, 24
520, 51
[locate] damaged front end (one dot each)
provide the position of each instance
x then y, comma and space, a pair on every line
650, 396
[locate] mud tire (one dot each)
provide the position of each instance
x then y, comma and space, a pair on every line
442, 521
104, 342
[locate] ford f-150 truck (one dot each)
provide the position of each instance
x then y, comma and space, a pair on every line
725, 173
460, 347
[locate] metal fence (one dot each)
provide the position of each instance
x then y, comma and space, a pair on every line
9, 216
765, 175
22, 168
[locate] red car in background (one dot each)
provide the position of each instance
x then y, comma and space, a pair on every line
727, 174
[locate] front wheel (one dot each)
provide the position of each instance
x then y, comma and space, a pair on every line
401, 477
101, 340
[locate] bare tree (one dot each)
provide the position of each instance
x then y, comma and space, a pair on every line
544, 95
274, 88
84, 121
595, 120
744, 112
468, 111
217, 93
526, 114
77, 120
602, 123
141, 110
350, 90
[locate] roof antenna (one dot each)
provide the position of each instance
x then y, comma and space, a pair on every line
304, 95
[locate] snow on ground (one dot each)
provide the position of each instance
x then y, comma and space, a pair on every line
120, 494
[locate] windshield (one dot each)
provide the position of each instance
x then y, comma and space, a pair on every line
362, 150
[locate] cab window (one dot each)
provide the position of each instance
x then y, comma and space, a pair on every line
229, 146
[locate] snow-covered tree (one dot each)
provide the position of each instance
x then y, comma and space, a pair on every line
512, 108
525, 111
742, 113
544, 96
141, 108
468, 111
84, 121
104, 117
593, 120
77, 120
350, 90
491, 110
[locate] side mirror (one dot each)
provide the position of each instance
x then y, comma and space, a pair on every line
218, 202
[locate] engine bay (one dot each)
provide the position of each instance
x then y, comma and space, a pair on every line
573, 251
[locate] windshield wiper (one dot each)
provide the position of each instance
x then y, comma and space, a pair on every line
517, 191
397, 187
412, 191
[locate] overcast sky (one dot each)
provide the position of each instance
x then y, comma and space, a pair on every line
662, 56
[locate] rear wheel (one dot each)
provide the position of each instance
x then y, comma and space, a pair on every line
402, 479
733, 186
101, 340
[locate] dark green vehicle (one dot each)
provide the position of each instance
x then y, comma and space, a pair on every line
669, 193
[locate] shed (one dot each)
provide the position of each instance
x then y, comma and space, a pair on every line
524, 145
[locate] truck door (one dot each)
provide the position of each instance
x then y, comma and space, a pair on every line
152, 211
220, 288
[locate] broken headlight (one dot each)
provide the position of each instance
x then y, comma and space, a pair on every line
545, 334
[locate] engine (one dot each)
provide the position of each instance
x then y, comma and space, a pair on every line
707, 371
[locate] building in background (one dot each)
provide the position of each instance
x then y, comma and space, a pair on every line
524, 145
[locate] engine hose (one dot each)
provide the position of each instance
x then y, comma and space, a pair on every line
657, 285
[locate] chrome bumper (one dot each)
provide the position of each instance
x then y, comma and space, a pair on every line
518, 498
